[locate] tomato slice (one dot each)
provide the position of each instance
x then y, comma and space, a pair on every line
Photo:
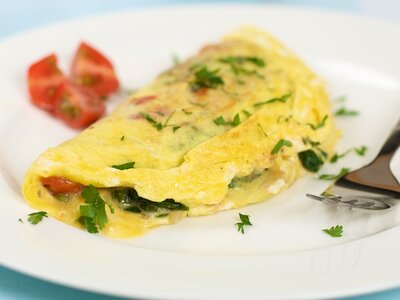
45, 81
78, 107
94, 71
60, 185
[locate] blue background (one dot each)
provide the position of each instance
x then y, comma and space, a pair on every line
19, 15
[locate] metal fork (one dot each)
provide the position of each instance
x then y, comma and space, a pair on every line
370, 188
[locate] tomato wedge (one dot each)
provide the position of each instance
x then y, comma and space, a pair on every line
60, 185
45, 81
78, 107
94, 71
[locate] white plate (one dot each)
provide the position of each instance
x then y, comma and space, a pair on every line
285, 254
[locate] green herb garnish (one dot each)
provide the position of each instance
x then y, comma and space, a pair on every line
246, 113
334, 231
281, 144
310, 160
338, 156
122, 138
125, 166
158, 125
245, 221
175, 128
36, 217
221, 121
93, 214
281, 99
20, 220
308, 141
207, 79
320, 124
361, 150
236, 64
345, 112
342, 173
242, 59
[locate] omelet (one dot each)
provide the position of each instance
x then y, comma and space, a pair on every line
233, 125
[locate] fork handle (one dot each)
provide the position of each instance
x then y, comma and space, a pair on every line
377, 174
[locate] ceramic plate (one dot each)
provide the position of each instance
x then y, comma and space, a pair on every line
284, 254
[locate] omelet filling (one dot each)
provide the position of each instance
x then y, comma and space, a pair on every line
234, 125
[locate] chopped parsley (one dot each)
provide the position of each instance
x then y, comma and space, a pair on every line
175, 128
334, 231
320, 124
236, 64
345, 112
122, 138
281, 99
125, 166
342, 173
221, 121
158, 125
281, 144
245, 221
20, 220
361, 150
310, 160
242, 59
93, 214
205, 78
246, 113
338, 156
308, 141
36, 217
262, 129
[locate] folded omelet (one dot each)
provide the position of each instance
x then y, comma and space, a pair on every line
234, 125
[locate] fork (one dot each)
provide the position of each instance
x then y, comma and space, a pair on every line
370, 188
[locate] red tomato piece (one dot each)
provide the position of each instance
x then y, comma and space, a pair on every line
45, 81
78, 107
60, 185
94, 71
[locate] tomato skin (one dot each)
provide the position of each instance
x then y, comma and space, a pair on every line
78, 107
92, 70
60, 185
45, 81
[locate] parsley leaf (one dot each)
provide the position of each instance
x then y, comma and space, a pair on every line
342, 173
93, 214
310, 160
158, 125
338, 156
221, 121
245, 221
242, 59
122, 138
281, 144
361, 150
205, 78
125, 166
320, 124
308, 141
246, 113
281, 99
37, 217
334, 231
345, 112
175, 128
